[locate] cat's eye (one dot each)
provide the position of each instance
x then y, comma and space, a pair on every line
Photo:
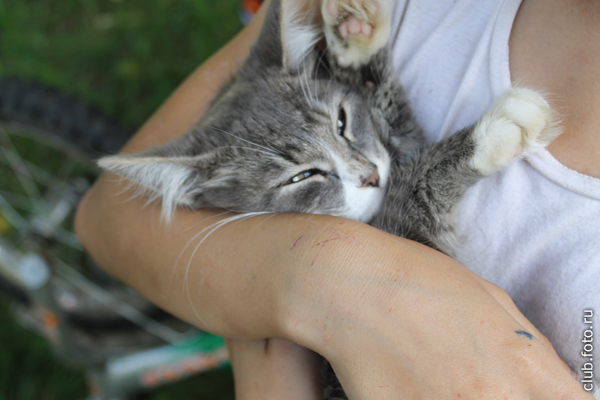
303, 175
341, 122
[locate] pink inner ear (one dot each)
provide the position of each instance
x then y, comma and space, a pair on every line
299, 33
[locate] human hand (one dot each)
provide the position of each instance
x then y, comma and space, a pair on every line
408, 322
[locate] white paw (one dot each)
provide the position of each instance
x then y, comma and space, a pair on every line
518, 123
356, 29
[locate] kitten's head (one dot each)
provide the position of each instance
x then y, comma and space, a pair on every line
284, 136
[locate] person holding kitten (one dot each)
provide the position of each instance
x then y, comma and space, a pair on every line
395, 318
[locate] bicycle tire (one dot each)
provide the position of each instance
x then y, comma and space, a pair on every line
84, 127
83, 132
14, 292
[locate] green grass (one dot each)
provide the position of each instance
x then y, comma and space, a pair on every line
29, 371
125, 57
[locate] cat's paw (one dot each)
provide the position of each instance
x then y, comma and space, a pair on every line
518, 123
355, 29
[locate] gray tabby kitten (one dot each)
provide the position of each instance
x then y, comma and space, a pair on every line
315, 121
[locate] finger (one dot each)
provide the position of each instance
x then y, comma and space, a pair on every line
506, 301
549, 381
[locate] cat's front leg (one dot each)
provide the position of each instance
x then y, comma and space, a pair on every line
355, 29
424, 192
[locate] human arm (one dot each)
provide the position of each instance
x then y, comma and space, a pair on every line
313, 279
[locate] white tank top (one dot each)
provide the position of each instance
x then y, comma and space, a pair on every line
533, 228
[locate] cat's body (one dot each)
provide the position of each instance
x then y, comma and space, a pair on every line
328, 129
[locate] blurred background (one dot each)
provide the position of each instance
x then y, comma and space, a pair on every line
123, 57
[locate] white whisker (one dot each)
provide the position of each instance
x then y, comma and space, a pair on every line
303, 91
206, 219
245, 140
249, 148
305, 76
214, 227
270, 216
194, 238
317, 67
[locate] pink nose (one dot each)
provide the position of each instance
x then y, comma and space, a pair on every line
372, 181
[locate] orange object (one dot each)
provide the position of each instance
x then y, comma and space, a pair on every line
251, 6
50, 320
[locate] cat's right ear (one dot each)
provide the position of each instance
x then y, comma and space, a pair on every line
289, 34
168, 174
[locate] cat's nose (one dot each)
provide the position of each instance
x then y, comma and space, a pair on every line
372, 181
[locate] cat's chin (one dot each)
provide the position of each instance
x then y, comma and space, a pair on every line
363, 204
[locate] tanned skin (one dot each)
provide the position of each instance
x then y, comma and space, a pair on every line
372, 304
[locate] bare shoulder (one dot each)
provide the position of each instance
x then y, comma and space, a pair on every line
550, 51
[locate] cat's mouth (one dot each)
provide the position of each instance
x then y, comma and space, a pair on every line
364, 201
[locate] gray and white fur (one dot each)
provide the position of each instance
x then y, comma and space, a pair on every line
315, 121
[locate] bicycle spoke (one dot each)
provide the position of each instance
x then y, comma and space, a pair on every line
17, 200
120, 307
38, 174
19, 167
68, 238
13, 217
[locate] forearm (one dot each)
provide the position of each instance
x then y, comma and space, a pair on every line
126, 237
231, 283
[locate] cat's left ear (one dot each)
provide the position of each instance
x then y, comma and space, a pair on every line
175, 179
290, 32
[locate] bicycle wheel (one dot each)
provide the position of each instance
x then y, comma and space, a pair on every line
47, 143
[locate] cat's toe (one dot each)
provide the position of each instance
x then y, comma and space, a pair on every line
531, 112
356, 29
520, 122
354, 26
